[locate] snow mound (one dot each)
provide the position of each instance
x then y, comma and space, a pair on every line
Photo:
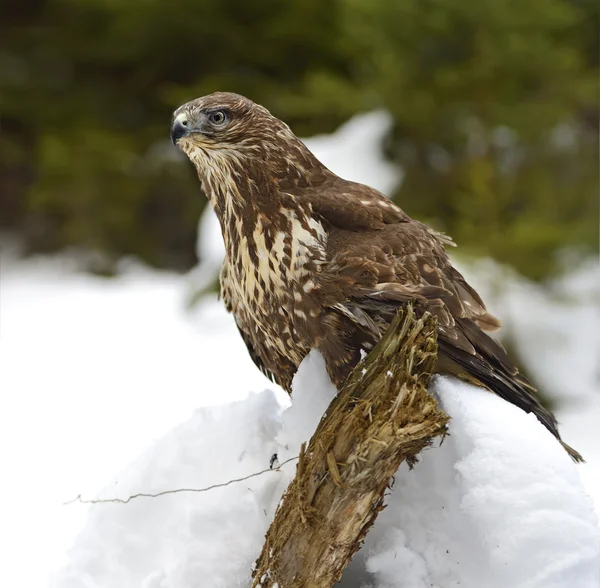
498, 504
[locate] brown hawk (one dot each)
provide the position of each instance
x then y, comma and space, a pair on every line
315, 261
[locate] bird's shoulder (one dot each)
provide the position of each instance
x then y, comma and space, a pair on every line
350, 205
360, 219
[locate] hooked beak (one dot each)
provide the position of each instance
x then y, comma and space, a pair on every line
180, 128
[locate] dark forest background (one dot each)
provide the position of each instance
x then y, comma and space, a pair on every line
495, 108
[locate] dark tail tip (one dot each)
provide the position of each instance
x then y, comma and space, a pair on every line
575, 455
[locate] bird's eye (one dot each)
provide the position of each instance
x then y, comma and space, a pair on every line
218, 117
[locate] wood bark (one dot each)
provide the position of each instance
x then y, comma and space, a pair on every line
382, 416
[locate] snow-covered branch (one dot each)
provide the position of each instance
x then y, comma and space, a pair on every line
382, 417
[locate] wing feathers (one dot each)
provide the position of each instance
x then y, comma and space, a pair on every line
379, 258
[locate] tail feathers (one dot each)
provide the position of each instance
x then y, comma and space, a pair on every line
575, 455
491, 367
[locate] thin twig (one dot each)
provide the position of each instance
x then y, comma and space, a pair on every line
177, 490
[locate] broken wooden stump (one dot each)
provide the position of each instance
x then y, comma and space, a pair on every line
383, 416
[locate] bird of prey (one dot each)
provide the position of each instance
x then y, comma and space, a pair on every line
316, 261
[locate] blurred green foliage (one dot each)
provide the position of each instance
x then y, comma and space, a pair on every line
496, 110
495, 107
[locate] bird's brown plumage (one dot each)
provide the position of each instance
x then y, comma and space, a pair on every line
316, 261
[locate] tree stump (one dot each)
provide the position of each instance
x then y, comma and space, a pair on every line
382, 416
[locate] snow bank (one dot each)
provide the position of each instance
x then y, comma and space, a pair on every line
498, 504
206, 539
93, 370
556, 331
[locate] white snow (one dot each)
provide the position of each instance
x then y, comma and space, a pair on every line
93, 370
213, 535
498, 504
316, 393
556, 331
188, 539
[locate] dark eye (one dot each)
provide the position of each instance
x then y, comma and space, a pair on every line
218, 117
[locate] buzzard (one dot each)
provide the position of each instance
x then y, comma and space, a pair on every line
316, 261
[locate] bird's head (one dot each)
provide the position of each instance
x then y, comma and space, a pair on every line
224, 122
222, 130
